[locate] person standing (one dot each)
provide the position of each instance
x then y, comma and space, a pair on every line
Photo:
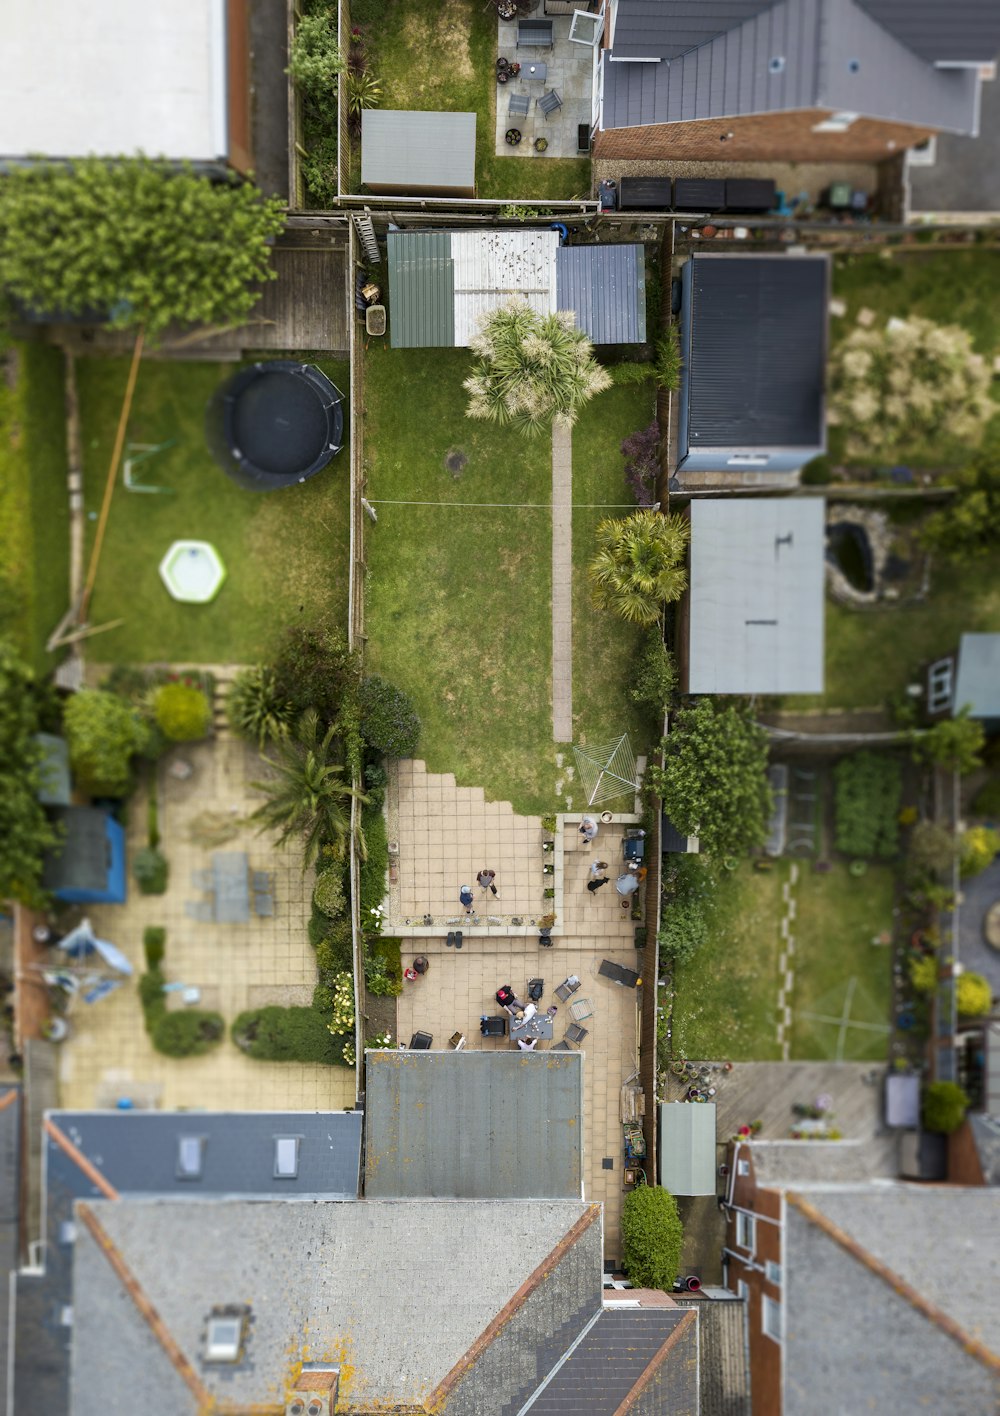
466, 898
588, 829
597, 867
594, 885
485, 880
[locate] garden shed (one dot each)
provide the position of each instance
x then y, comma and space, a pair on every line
753, 615
687, 1147
977, 685
405, 153
753, 335
88, 865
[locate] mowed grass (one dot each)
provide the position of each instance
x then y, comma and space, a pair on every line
458, 597
440, 55
838, 970
34, 500
286, 552
725, 998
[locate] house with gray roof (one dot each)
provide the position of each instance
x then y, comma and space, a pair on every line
792, 80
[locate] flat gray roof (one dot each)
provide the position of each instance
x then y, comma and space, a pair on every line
687, 1148
474, 1124
605, 286
402, 148
756, 595
978, 682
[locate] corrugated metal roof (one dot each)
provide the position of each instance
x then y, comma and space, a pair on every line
492, 266
669, 28
421, 290
474, 1125
756, 596
961, 31
978, 682
403, 148
687, 1147
756, 366
605, 286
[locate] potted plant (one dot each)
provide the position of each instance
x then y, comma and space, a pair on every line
541, 144
512, 137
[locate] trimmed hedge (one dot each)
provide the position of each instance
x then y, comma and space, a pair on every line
389, 721
288, 1035
189, 1033
154, 944
868, 788
944, 1107
371, 887
151, 870
183, 712
652, 1237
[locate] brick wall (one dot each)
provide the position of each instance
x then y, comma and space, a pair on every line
785, 137
765, 1353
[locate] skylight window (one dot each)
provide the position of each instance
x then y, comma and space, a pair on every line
222, 1341
286, 1157
190, 1157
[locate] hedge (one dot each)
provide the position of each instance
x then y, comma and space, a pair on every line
288, 1035
154, 943
151, 870
190, 1032
868, 789
373, 870
389, 721
652, 1237
944, 1107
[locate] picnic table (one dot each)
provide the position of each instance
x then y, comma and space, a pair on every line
231, 881
538, 1027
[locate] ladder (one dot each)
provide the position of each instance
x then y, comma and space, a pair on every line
365, 228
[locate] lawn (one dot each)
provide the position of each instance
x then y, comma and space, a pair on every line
440, 55
725, 1003
34, 502
838, 970
286, 552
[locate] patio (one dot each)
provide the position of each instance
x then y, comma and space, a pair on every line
568, 69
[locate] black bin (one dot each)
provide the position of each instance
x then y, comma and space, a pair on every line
750, 194
699, 194
644, 193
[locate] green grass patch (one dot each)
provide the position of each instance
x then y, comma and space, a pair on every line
725, 1003
34, 502
836, 963
286, 552
440, 55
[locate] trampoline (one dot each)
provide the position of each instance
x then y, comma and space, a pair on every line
275, 424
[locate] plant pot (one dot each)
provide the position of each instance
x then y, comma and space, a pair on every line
512, 137
606, 816
541, 144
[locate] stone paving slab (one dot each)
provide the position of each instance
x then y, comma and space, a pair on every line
569, 70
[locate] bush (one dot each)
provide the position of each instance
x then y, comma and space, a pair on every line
652, 1237
182, 711
152, 998
868, 786
668, 360
630, 373
313, 669
151, 870
256, 710
103, 733
287, 1035
641, 451
154, 945
954, 743
655, 674
335, 950
384, 969
924, 972
328, 895
376, 781
371, 884
389, 721
979, 846
190, 1033
314, 60
973, 995
986, 802
816, 473
932, 849
688, 886
944, 1107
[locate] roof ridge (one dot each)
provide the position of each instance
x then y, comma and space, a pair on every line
971, 1345
89, 1169
689, 1320
512, 1306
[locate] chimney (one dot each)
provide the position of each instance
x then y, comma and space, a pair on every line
315, 1392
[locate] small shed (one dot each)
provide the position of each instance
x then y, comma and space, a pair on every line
977, 686
687, 1147
406, 153
88, 865
605, 286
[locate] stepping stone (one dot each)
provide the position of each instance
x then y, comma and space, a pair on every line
866, 317
838, 307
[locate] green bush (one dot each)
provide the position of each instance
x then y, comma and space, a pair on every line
973, 995
944, 1107
652, 1237
654, 676
979, 847
371, 885
817, 472
182, 711
335, 950
389, 721
287, 1035
103, 733
151, 870
986, 802
154, 945
255, 708
188, 1033
384, 969
314, 59
328, 894
630, 373
932, 849
152, 998
668, 359
313, 669
924, 972
376, 781
868, 786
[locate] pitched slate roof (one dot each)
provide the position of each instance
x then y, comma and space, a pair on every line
723, 1354
956, 32
669, 28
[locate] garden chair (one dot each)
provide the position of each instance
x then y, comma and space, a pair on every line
560, 1047
203, 879
262, 881
582, 1008
550, 103
263, 906
421, 1042
198, 909
576, 1034
567, 988
519, 105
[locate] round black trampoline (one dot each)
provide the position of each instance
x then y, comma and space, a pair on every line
275, 424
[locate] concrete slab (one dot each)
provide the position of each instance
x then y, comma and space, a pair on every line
569, 71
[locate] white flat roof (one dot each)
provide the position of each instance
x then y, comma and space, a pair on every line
493, 266
114, 77
756, 597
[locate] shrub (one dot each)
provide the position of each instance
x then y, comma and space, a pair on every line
154, 945
955, 743
630, 373
371, 885
335, 951
973, 995
151, 870
182, 711
341, 1021
189, 1033
668, 360
641, 451
389, 721
688, 886
932, 848
256, 710
363, 91
944, 1107
287, 1035
328, 895
314, 60
652, 1237
816, 473
924, 972
384, 970
376, 780
868, 786
152, 998
979, 846
654, 677
313, 669
986, 802
103, 733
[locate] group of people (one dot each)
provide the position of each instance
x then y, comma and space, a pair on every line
486, 880
521, 1013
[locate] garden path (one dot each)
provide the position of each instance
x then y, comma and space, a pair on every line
562, 584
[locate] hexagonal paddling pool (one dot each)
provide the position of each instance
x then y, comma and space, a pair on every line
193, 571
275, 424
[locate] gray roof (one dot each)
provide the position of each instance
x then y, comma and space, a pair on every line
754, 372
986, 1135
356, 1282
687, 1148
474, 1124
421, 290
729, 71
80, 860
850, 1335
846, 1162
402, 148
605, 285
978, 683
612, 1358
724, 1356
756, 596
959, 32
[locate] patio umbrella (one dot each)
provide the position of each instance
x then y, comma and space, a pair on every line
606, 770
82, 941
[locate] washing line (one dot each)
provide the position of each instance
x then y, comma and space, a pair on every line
516, 506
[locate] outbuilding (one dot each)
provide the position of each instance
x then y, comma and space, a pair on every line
405, 153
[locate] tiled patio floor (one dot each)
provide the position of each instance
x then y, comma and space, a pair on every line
569, 70
235, 966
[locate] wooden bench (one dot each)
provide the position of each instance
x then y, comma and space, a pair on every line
534, 34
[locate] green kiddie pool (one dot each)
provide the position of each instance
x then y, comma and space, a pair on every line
192, 571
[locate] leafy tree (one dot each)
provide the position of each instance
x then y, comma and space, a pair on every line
103, 733
136, 241
973, 995
25, 831
532, 370
307, 796
955, 743
389, 721
932, 849
655, 673
639, 566
256, 709
944, 1107
652, 1237
968, 525
641, 451
979, 847
183, 712
714, 779
314, 59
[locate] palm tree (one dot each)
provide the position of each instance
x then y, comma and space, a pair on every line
307, 796
639, 566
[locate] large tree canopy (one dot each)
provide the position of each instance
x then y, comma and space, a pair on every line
714, 779
968, 524
135, 241
25, 832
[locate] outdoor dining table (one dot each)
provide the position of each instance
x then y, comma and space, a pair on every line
538, 1027
534, 73
231, 876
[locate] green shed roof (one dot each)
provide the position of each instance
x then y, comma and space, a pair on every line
422, 290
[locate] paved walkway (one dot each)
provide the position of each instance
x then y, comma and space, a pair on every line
562, 584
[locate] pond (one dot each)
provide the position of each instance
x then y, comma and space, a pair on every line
848, 548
